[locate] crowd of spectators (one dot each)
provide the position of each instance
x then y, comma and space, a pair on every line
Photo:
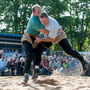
14, 64
10, 50
58, 62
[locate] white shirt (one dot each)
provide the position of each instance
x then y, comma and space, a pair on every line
14, 56
2, 63
53, 27
5, 62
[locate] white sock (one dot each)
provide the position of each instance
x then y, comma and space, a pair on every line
36, 66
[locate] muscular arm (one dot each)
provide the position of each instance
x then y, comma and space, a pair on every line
47, 40
47, 32
44, 31
38, 40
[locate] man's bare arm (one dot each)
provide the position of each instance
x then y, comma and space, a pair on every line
38, 40
44, 31
47, 40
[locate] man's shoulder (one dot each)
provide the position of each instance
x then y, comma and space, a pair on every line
34, 21
53, 22
34, 18
52, 19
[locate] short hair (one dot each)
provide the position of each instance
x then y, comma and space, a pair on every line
33, 7
43, 14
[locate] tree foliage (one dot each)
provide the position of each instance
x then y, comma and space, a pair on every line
73, 15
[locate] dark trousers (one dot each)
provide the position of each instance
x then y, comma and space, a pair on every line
67, 48
33, 54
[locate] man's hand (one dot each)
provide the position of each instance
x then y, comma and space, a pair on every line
38, 40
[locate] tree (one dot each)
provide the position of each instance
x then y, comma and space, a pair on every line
73, 15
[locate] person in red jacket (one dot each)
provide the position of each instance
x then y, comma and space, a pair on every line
45, 62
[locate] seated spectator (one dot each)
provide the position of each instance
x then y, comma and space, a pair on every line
21, 56
3, 50
55, 57
43, 55
2, 65
45, 62
75, 61
15, 55
58, 64
52, 64
10, 65
6, 61
65, 64
16, 66
21, 66
61, 69
1, 53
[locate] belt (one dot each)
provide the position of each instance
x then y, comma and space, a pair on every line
33, 35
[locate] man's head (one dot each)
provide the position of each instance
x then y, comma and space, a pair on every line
36, 10
44, 18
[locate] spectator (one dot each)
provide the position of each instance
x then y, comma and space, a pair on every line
15, 56
22, 56
2, 62
55, 57
10, 65
45, 62
58, 64
52, 64
21, 66
1, 53
16, 66
43, 56
65, 64
6, 61
2, 65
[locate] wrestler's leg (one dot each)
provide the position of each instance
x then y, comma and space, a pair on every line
40, 48
29, 57
67, 48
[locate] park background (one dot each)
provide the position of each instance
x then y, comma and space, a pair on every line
73, 15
